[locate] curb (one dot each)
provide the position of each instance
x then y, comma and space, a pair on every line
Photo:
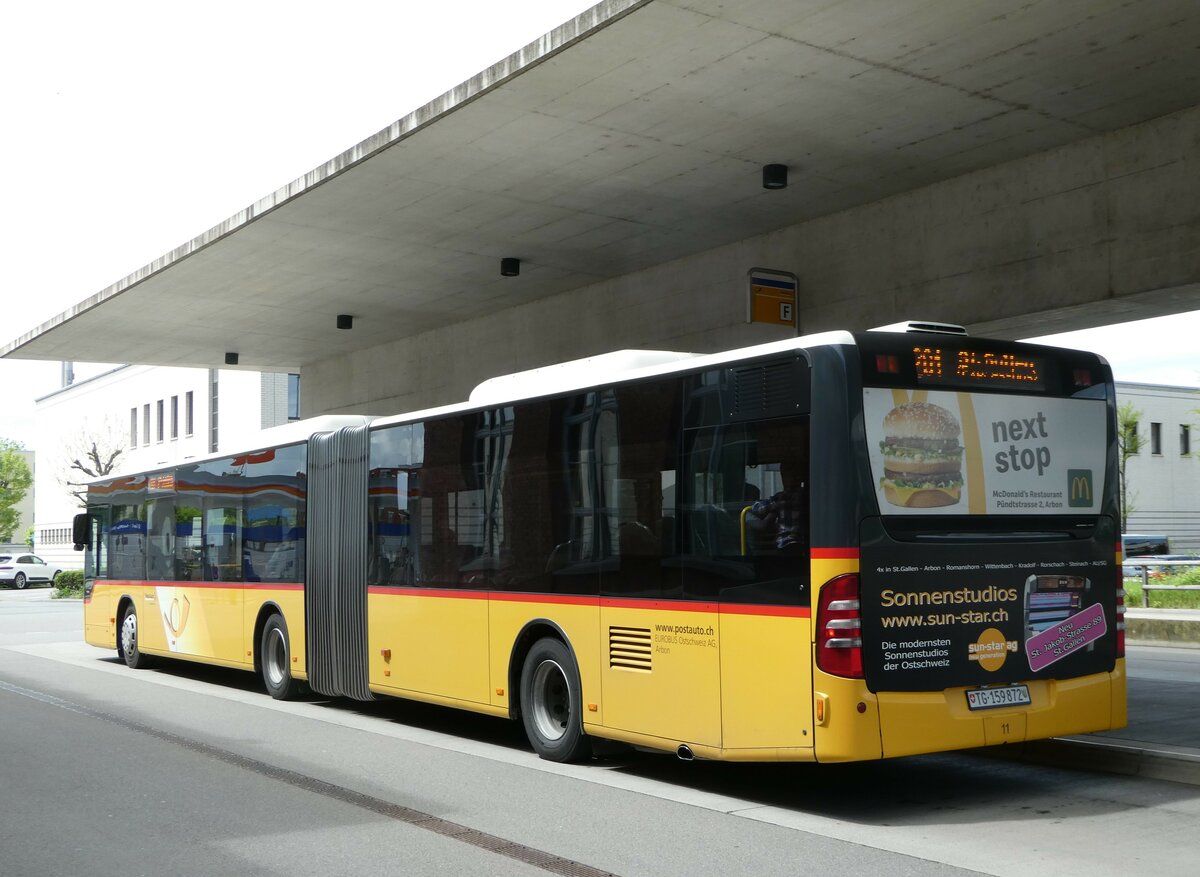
1127, 757
1162, 631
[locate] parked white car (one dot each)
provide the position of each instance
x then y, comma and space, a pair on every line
19, 570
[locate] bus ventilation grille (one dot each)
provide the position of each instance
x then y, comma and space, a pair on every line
629, 648
767, 390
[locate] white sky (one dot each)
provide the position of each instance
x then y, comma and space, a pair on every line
129, 128
132, 127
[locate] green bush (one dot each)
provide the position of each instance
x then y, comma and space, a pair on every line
69, 584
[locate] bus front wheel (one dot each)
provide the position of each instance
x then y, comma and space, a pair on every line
275, 653
551, 702
127, 641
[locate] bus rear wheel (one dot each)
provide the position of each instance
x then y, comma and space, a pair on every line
127, 640
275, 655
551, 703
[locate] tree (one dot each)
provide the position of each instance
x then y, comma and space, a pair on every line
87, 457
15, 480
1129, 442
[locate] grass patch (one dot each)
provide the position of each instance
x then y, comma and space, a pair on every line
1166, 599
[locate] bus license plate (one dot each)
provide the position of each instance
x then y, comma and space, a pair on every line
990, 698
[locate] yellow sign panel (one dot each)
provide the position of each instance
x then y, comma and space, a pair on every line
772, 298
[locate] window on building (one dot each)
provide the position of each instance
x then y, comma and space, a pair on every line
133, 427
1156, 439
146, 424
293, 397
1185, 439
187, 414
174, 417
159, 412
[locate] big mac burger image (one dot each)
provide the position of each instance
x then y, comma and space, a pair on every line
922, 456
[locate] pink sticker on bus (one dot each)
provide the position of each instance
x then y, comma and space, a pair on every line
1065, 637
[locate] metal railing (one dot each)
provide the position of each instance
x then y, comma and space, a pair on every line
1143, 568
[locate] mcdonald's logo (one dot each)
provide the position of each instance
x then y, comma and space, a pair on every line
1079, 492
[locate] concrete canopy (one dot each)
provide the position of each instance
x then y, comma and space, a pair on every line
629, 137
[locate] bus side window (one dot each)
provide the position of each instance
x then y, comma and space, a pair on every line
160, 543
635, 471
746, 511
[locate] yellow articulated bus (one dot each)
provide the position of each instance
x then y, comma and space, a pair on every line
829, 548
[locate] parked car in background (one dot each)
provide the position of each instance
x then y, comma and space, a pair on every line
19, 570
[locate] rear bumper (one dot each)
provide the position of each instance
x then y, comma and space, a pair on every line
919, 722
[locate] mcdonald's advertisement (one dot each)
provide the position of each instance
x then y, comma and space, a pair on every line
963, 453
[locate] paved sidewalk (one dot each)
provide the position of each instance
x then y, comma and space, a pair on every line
1162, 738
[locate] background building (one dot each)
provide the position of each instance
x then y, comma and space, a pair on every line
1164, 476
147, 416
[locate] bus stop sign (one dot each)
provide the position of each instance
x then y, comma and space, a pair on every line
772, 298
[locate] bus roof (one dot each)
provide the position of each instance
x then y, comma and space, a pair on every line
276, 436
582, 374
574, 375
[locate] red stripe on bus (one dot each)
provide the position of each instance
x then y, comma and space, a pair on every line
561, 599
239, 586
834, 554
504, 596
667, 605
606, 602
772, 611
456, 593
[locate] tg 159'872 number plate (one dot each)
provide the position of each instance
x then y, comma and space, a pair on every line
991, 698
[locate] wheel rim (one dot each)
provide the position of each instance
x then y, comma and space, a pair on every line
129, 635
275, 656
551, 700
19, 580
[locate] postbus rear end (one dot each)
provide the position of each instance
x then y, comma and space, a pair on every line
970, 575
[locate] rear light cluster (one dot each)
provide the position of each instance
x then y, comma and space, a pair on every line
1120, 622
839, 628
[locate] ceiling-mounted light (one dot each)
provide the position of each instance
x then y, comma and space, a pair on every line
775, 176
345, 321
231, 358
510, 267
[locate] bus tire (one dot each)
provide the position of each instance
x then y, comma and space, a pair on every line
275, 652
127, 640
551, 702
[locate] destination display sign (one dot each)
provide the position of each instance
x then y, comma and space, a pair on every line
950, 366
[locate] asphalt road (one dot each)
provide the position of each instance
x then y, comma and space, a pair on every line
192, 770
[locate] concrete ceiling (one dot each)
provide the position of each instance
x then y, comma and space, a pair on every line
629, 137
